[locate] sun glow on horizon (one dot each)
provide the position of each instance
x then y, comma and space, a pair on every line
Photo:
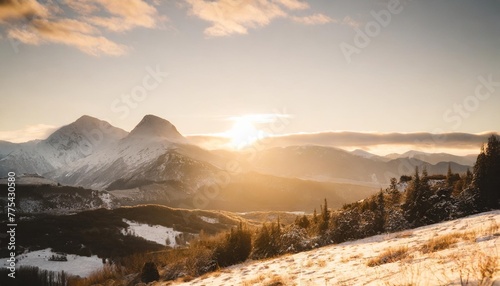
245, 131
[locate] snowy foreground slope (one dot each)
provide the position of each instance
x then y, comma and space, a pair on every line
474, 250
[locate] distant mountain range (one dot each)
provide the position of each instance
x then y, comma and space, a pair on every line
331, 164
435, 158
431, 158
156, 163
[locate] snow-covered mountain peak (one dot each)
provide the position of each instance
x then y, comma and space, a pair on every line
72, 142
154, 126
85, 130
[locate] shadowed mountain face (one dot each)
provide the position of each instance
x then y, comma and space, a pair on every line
156, 163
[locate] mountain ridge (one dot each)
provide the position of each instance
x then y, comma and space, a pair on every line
156, 162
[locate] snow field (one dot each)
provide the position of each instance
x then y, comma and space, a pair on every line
76, 265
156, 233
476, 249
209, 219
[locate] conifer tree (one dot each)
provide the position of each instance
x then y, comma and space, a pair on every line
379, 213
486, 178
449, 177
262, 242
315, 217
302, 222
417, 199
395, 195
325, 218
468, 178
394, 185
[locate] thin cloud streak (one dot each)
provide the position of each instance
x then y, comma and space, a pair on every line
315, 19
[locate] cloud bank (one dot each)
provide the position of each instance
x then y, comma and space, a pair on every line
463, 143
38, 131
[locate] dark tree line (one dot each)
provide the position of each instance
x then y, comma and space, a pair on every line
427, 199
486, 179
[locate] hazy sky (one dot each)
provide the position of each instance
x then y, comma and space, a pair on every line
354, 65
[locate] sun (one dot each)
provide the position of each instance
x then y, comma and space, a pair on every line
243, 132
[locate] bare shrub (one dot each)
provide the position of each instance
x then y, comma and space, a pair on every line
439, 243
390, 255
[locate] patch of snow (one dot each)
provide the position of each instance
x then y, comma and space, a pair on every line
106, 199
402, 186
297, 213
156, 233
209, 219
76, 265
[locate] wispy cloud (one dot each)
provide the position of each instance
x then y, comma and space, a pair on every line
229, 17
294, 4
85, 24
259, 118
69, 32
235, 17
350, 22
38, 131
19, 9
125, 15
315, 19
77, 23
